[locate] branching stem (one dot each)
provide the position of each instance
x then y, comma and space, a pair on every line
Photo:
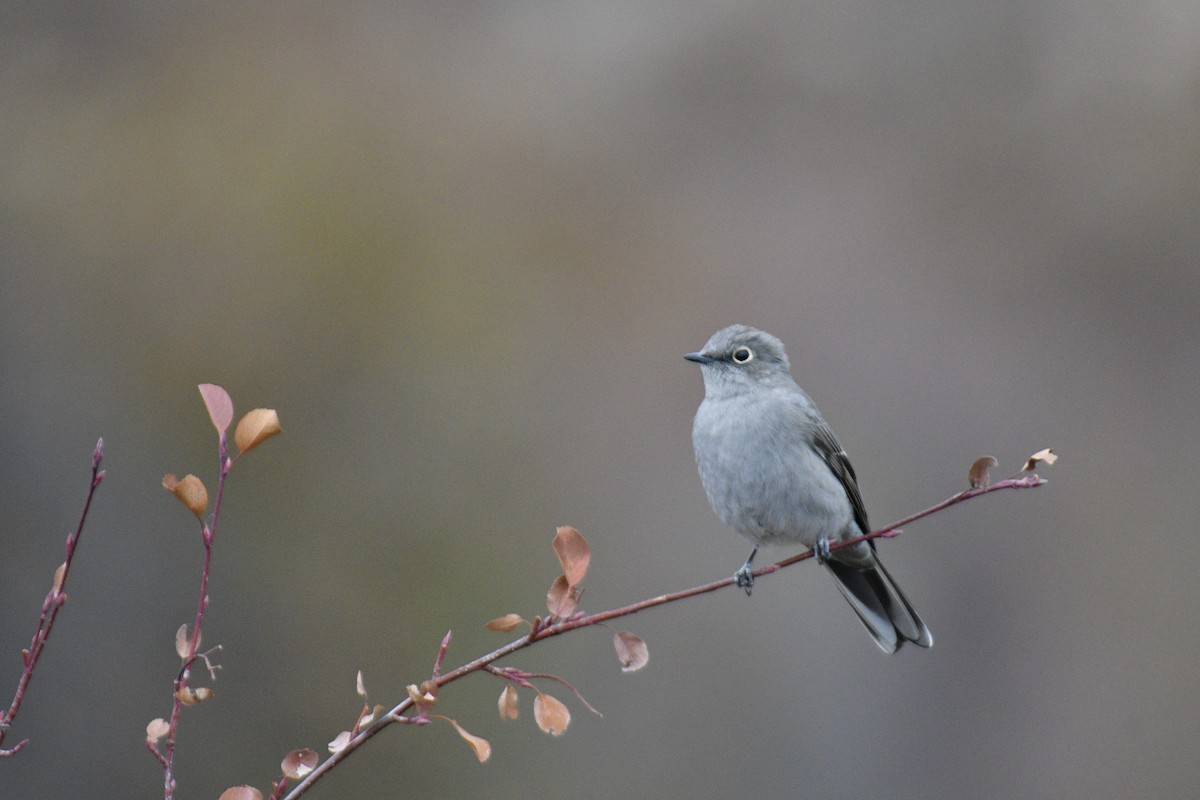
208, 534
542, 630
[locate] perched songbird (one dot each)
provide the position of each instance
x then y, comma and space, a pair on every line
775, 473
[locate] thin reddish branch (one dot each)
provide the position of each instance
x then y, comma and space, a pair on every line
441, 657
542, 630
50, 607
208, 533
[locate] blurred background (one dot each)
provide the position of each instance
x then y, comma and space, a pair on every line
462, 248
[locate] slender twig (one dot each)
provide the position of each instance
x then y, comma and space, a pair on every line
542, 630
50, 606
208, 533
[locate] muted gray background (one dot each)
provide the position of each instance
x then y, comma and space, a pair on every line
462, 247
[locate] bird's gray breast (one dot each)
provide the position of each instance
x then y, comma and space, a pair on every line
761, 473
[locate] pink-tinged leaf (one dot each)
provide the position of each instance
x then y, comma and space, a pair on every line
220, 407
508, 703
339, 744
483, 750
183, 642
573, 552
255, 428
506, 624
551, 715
241, 793
631, 651
298, 763
359, 686
562, 598
156, 730
978, 476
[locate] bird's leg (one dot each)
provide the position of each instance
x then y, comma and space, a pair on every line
745, 575
821, 549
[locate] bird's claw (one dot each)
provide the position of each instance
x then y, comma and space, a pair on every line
821, 550
745, 577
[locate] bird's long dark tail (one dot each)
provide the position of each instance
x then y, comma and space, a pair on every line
880, 605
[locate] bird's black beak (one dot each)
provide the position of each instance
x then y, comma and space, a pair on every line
700, 358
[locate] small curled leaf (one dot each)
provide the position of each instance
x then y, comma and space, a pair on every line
506, 624
573, 553
508, 703
194, 697
367, 717
1048, 456
339, 744
220, 407
424, 697
562, 598
59, 574
551, 715
978, 476
190, 491
156, 730
255, 428
631, 651
359, 686
241, 793
298, 763
483, 750
183, 642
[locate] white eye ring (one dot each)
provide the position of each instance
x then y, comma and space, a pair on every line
743, 355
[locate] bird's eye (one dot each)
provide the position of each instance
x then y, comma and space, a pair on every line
743, 355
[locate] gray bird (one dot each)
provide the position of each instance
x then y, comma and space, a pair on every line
775, 473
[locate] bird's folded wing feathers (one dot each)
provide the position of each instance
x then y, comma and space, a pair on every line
831, 452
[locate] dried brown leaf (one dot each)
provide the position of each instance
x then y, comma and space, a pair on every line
423, 697
573, 552
190, 491
631, 651
157, 729
298, 763
562, 598
255, 428
59, 574
218, 404
551, 715
1048, 456
483, 750
241, 793
506, 624
978, 476
508, 703
194, 697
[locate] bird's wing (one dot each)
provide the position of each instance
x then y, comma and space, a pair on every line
827, 446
